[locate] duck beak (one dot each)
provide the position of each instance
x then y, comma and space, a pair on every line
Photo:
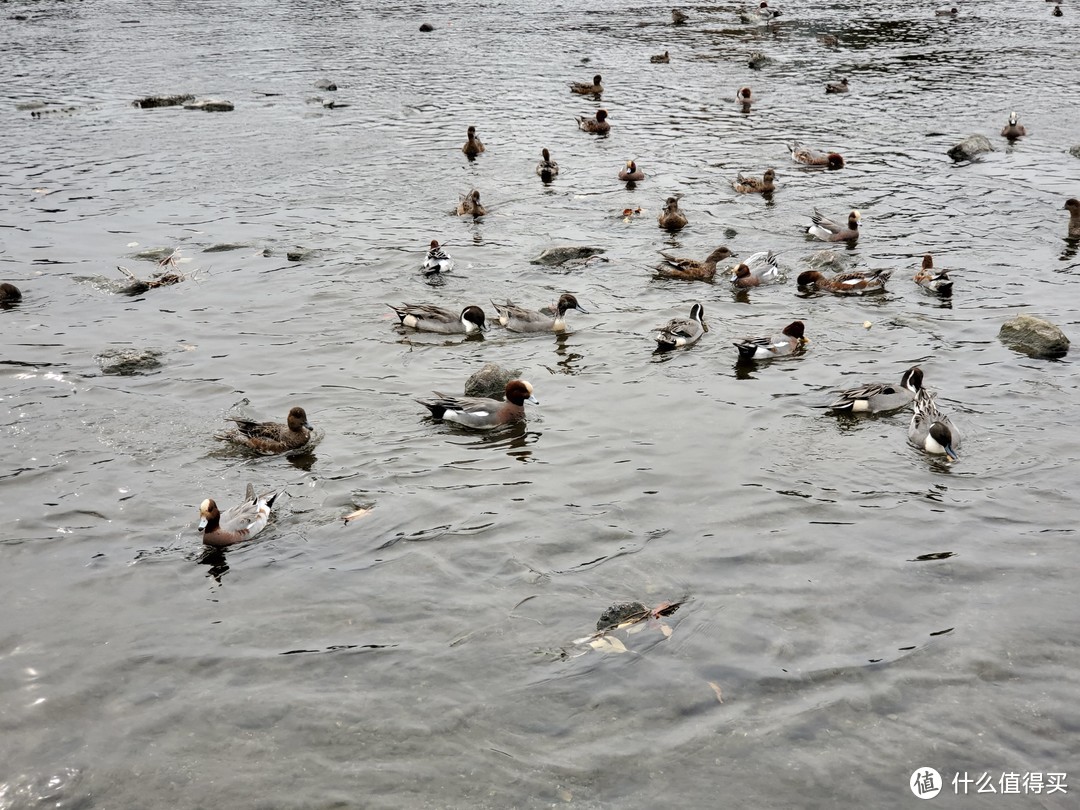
704, 326
202, 524
580, 308
308, 426
533, 400
950, 452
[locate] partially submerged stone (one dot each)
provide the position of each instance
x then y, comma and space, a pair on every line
210, 105
325, 84
490, 381
129, 362
1034, 336
561, 254
162, 101
619, 613
971, 147
1075, 151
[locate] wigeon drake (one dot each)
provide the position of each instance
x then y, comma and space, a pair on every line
1014, 129
473, 146
788, 341
430, 318
631, 173
9, 293
585, 88
692, 269
678, 16
746, 184
238, 523
671, 218
745, 97
436, 261
660, 58
470, 205
547, 169
759, 268
826, 230
837, 87
483, 413
878, 397
519, 319
853, 283
931, 430
1072, 205
598, 125
271, 437
812, 157
931, 280
679, 332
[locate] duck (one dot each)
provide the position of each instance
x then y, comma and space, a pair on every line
879, 397
519, 319
547, 169
837, 87
1056, 12
1014, 129
631, 174
1072, 205
430, 318
10, 294
789, 340
483, 413
745, 184
931, 280
759, 268
745, 97
679, 332
598, 125
691, 269
826, 230
660, 58
811, 157
763, 13
437, 261
757, 60
671, 218
678, 16
852, 283
473, 146
947, 12
931, 430
586, 88
470, 205
270, 438
238, 523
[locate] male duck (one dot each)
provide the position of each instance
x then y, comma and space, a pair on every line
826, 230
852, 283
746, 184
692, 269
547, 169
759, 268
519, 319
483, 413
679, 332
437, 261
952, 11
837, 87
745, 97
586, 89
931, 280
930, 429
671, 218
237, 524
789, 340
812, 157
470, 205
1072, 205
878, 397
429, 318
271, 437
473, 146
1014, 129
598, 125
631, 174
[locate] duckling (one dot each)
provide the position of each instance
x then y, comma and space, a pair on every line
691, 269
837, 87
679, 332
586, 89
470, 205
270, 438
547, 169
483, 413
759, 268
930, 429
671, 218
660, 58
237, 524
745, 184
788, 341
519, 319
811, 157
631, 174
1013, 129
430, 318
473, 146
1072, 205
852, 283
598, 125
678, 16
828, 231
935, 281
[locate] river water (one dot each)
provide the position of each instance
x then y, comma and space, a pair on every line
855, 609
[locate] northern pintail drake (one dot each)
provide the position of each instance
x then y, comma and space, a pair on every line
437, 261
786, 342
519, 319
837, 87
878, 397
10, 294
692, 269
679, 332
660, 58
759, 268
470, 205
483, 413
671, 218
1072, 205
930, 429
1014, 129
430, 318
473, 146
678, 16
585, 88
271, 437
631, 173
812, 157
746, 184
1056, 12
763, 13
547, 169
598, 125
826, 230
238, 523
931, 280
952, 11
852, 283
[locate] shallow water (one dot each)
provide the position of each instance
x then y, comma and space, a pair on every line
413, 657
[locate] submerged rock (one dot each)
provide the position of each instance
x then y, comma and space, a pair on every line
564, 253
1075, 151
619, 613
154, 254
298, 254
1033, 336
129, 362
210, 105
490, 381
426, 27
971, 147
9, 294
224, 246
162, 101
758, 60
325, 84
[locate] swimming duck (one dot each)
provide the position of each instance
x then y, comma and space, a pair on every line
935, 281
763, 13
678, 16
671, 218
586, 89
237, 524
9, 293
271, 437
1072, 205
473, 146
691, 269
745, 98
759, 268
679, 332
786, 342
930, 429
598, 125
660, 58
631, 174
436, 260
811, 157
853, 283
519, 319
879, 397
483, 413
1013, 129
947, 12
1056, 12
745, 184
430, 318
547, 169
470, 205
837, 87
828, 231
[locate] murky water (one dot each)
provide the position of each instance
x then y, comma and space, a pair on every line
422, 656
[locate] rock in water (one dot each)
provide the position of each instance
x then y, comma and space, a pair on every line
970, 148
565, 253
1035, 337
426, 27
325, 84
129, 362
162, 101
490, 381
619, 613
210, 105
1075, 151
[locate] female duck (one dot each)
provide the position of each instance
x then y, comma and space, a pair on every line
483, 413
853, 283
429, 318
671, 218
930, 429
473, 146
745, 184
879, 397
826, 230
759, 268
519, 319
470, 205
931, 280
598, 125
631, 174
660, 58
692, 269
586, 89
812, 157
788, 341
1072, 205
547, 169
679, 332
437, 260
237, 524
837, 87
271, 437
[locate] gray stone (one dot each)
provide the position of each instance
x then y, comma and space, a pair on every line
1075, 151
619, 613
225, 246
490, 381
162, 101
325, 84
561, 254
154, 254
129, 362
298, 254
210, 105
426, 27
1033, 336
758, 60
971, 147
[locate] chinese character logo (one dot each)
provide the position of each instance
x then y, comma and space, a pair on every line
925, 783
